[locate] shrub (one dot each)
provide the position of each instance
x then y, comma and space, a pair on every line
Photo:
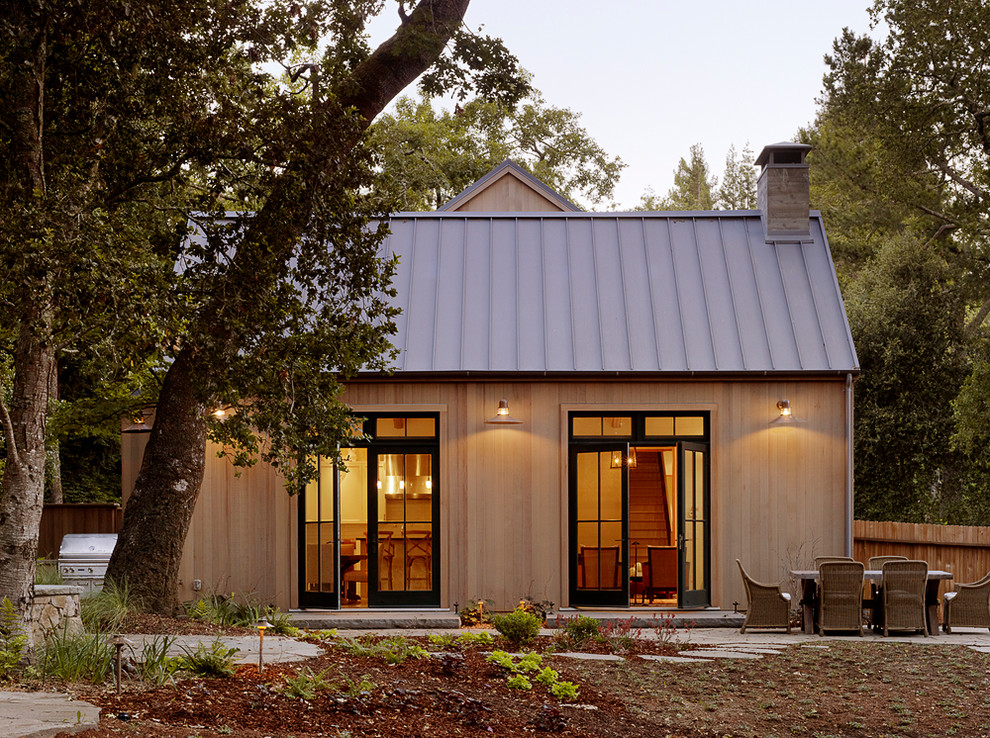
394, 649
225, 611
12, 638
156, 665
580, 629
518, 627
564, 691
443, 640
519, 681
481, 638
215, 660
502, 659
540, 609
547, 676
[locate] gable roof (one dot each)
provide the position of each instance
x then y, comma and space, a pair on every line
509, 181
620, 293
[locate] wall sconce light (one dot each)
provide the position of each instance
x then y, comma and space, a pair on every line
786, 416
502, 416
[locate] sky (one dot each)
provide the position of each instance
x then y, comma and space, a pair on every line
651, 78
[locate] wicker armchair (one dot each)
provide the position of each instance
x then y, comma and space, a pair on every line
903, 595
840, 596
875, 563
819, 560
968, 606
766, 605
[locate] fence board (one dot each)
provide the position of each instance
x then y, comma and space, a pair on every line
963, 550
57, 520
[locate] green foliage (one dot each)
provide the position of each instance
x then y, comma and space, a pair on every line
547, 676
694, 184
430, 155
519, 627
46, 572
394, 649
580, 629
478, 638
501, 658
239, 611
519, 681
12, 638
541, 609
155, 665
74, 657
738, 188
359, 687
478, 612
443, 641
106, 610
305, 684
215, 660
564, 691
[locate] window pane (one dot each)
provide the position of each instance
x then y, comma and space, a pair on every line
354, 486
660, 426
587, 486
587, 426
611, 486
326, 489
616, 426
690, 426
390, 427
421, 427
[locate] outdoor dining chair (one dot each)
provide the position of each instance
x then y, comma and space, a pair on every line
766, 605
840, 596
875, 563
874, 602
903, 596
819, 560
968, 605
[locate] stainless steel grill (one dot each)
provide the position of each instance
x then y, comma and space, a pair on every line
83, 558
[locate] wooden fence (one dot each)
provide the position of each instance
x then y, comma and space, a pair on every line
963, 550
57, 520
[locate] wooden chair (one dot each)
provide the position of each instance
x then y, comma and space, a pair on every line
766, 605
419, 548
840, 596
968, 605
660, 572
600, 567
903, 596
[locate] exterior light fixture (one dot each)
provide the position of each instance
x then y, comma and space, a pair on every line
502, 416
220, 412
786, 416
261, 625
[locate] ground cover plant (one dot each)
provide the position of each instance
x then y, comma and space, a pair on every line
447, 685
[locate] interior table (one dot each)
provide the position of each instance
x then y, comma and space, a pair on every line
809, 584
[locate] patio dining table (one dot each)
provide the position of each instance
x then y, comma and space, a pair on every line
809, 583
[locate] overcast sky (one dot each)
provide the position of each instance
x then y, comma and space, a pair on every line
651, 77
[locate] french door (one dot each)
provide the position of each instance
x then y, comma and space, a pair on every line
693, 505
369, 531
599, 525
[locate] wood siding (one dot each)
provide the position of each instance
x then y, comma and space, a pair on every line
778, 493
508, 194
57, 520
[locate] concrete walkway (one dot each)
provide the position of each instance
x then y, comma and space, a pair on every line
45, 714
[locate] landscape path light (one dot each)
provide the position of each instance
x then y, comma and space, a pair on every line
261, 625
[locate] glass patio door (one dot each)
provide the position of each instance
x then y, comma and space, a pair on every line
599, 522
320, 547
693, 526
403, 547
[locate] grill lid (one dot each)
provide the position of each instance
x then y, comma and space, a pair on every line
87, 545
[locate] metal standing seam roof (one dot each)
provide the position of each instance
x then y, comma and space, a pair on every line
679, 293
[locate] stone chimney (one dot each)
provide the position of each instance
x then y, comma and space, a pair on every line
782, 191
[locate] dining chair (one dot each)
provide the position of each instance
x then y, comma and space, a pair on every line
875, 563
875, 600
819, 560
600, 567
386, 554
903, 596
840, 596
968, 605
766, 605
660, 572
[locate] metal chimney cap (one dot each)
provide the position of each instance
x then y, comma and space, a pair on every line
784, 146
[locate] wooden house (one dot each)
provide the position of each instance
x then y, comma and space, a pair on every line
595, 409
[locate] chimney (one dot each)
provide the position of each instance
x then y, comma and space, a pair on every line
782, 191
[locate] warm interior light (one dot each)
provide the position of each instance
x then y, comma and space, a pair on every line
503, 408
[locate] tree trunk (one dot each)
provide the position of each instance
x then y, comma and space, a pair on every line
53, 452
156, 518
157, 514
22, 491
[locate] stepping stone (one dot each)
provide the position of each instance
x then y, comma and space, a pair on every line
674, 659
981, 649
814, 645
591, 656
716, 653
751, 649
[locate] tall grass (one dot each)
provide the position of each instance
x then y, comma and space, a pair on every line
46, 572
107, 610
76, 657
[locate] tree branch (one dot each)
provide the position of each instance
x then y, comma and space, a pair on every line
8, 430
973, 325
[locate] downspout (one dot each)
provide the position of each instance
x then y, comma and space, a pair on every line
849, 465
